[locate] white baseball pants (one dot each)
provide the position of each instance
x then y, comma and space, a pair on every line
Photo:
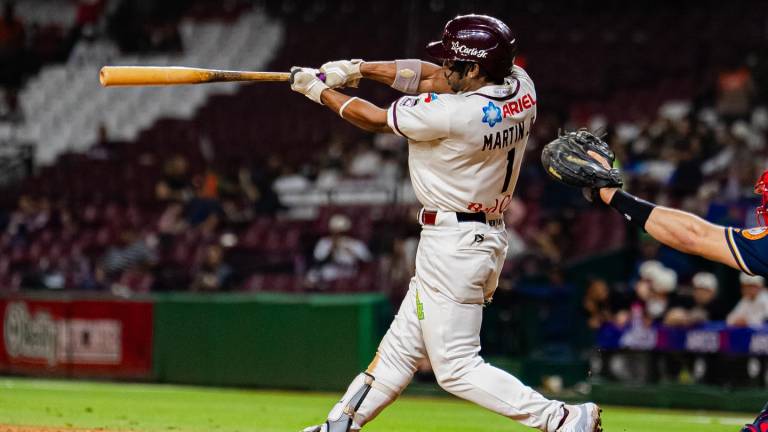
457, 268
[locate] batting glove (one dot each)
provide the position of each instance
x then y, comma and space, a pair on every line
342, 73
306, 82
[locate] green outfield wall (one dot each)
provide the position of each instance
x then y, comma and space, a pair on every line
272, 340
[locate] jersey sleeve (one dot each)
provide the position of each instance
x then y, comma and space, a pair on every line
750, 249
425, 117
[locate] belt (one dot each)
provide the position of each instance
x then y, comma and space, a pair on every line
429, 217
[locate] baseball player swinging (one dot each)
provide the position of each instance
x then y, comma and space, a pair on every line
467, 127
583, 160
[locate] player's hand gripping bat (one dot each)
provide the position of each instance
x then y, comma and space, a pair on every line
174, 75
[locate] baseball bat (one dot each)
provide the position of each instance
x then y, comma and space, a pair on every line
173, 75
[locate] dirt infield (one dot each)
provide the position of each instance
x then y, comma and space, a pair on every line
16, 428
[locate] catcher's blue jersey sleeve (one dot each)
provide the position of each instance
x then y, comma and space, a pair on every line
750, 249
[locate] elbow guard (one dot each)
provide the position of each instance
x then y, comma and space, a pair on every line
408, 76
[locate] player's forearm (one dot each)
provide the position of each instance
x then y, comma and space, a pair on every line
431, 78
677, 229
359, 112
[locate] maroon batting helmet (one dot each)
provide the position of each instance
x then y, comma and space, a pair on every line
480, 39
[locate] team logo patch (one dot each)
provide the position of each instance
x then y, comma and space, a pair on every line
491, 114
461, 49
430, 97
755, 233
409, 101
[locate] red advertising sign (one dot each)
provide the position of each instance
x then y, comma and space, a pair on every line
76, 337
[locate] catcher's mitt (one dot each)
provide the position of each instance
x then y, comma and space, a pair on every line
566, 160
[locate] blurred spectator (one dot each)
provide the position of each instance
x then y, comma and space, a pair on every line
171, 222
258, 184
752, 309
663, 285
338, 255
735, 91
29, 217
133, 251
700, 307
176, 184
513, 218
551, 240
596, 304
212, 274
365, 162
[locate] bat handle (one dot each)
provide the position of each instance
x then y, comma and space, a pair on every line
320, 75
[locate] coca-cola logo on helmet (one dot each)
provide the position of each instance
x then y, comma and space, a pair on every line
461, 49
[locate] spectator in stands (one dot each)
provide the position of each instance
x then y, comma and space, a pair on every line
258, 184
752, 309
551, 240
133, 252
12, 46
513, 219
735, 90
597, 304
212, 274
29, 217
702, 306
171, 222
642, 293
663, 285
175, 185
365, 161
338, 255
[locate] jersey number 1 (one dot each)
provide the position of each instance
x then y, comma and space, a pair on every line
510, 165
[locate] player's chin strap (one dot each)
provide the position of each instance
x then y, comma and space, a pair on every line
342, 416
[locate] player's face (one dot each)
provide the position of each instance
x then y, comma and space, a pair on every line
703, 296
457, 75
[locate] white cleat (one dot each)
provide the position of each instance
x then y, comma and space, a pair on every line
316, 428
582, 418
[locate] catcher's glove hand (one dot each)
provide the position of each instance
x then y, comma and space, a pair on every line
566, 160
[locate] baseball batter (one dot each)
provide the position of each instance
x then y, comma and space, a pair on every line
467, 130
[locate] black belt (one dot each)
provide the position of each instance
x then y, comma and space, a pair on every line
429, 217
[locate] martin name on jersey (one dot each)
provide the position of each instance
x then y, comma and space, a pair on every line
466, 149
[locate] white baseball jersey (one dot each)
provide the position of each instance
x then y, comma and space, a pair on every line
464, 155
466, 149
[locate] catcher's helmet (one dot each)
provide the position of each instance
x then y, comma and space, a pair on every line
480, 39
761, 188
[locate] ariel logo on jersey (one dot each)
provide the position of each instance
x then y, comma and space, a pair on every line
491, 114
430, 97
518, 105
755, 233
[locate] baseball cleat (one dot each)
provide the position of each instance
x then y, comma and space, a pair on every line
582, 418
315, 428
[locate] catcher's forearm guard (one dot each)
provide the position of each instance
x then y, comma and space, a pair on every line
634, 209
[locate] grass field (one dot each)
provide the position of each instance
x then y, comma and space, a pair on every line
151, 408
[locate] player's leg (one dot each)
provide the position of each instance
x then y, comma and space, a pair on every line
453, 345
451, 281
386, 377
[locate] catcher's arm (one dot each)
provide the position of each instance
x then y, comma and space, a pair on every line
677, 229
